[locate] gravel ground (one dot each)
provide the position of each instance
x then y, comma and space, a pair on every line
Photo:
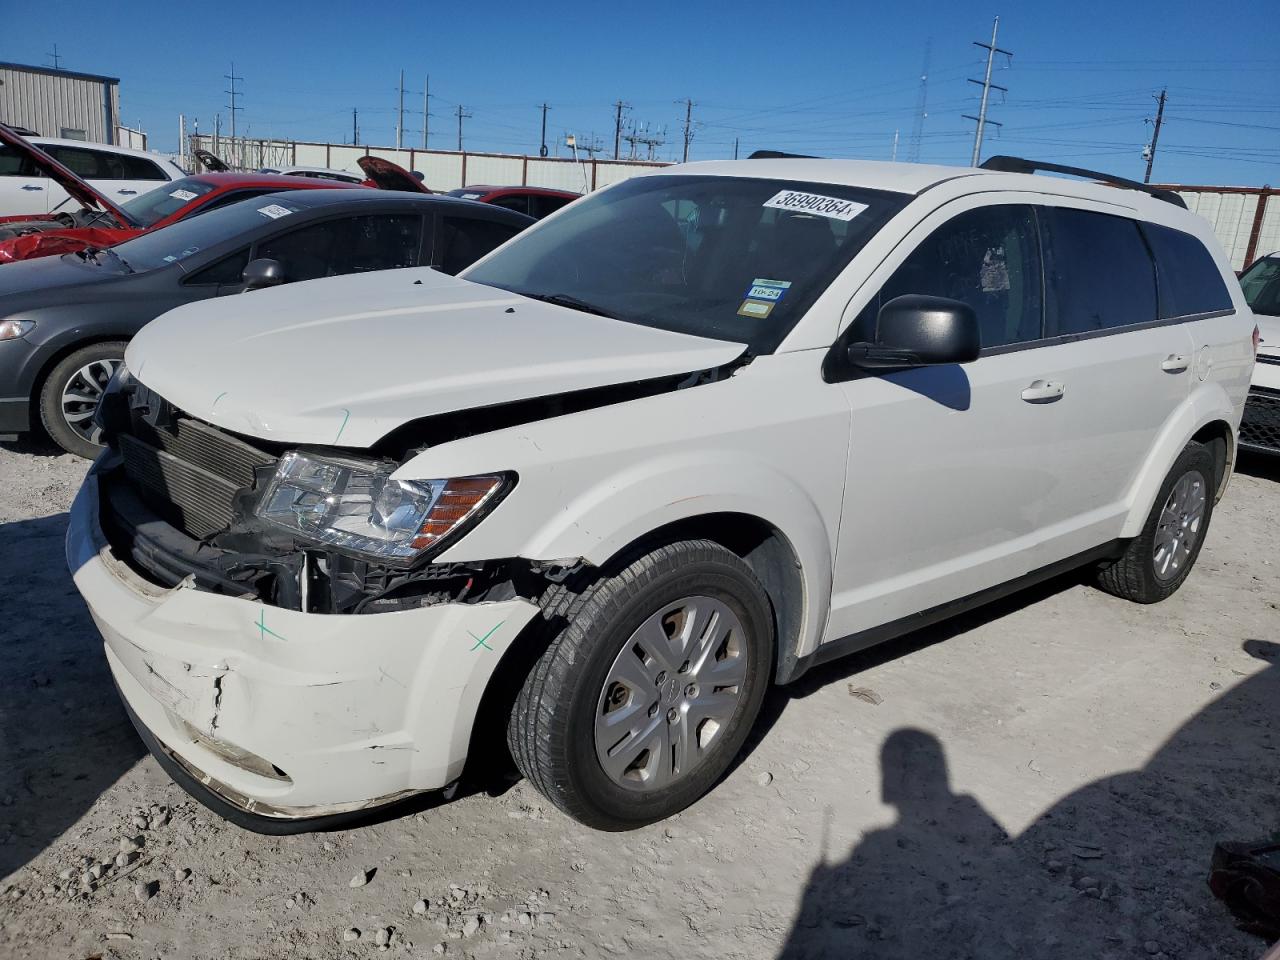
1047, 782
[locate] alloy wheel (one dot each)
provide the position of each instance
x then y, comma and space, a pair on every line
1179, 525
80, 396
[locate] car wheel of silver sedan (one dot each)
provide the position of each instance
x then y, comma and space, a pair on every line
70, 394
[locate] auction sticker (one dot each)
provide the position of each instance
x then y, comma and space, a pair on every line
183, 195
274, 211
755, 309
799, 202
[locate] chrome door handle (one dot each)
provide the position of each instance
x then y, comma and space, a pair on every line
31, 186
1175, 363
127, 193
1043, 391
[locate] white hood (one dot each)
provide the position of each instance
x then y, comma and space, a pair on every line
344, 361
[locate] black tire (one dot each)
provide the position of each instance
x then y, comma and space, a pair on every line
1134, 575
551, 728
55, 421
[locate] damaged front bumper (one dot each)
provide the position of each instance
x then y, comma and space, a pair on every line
286, 717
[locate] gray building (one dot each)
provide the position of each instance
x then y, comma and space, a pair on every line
60, 103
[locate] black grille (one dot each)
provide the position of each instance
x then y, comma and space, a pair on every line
190, 472
1260, 427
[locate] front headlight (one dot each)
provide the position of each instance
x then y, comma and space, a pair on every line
13, 329
358, 506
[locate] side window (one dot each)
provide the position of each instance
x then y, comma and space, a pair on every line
83, 163
988, 258
14, 164
1098, 272
517, 203
138, 168
350, 245
1189, 279
226, 270
463, 241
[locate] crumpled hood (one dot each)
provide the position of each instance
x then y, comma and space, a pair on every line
344, 361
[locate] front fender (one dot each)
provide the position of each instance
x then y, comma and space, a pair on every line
1208, 403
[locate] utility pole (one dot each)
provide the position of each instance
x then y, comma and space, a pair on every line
355, 126
233, 93
461, 116
426, 108
1155, 134
735, 148
894, 156
57, 60
922, 107
688, 127
986, 85
617, 126
400, 115
542, 150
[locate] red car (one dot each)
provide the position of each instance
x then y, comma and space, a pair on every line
100, 223
536, 202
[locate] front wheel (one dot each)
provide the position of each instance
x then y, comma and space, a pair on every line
70, 396
644, 697
1160, 558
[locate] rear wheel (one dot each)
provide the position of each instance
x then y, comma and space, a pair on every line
71, 392
1160, 558
647, 693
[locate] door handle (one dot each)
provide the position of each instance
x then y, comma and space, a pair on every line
127, 193
31, 186
1043, 391
1175, 363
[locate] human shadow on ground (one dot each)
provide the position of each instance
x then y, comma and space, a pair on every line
64, 738
1115, 869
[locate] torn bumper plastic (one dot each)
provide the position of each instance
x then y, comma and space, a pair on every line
283, 714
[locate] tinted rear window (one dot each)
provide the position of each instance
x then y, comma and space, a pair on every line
1190, 281
1098, 273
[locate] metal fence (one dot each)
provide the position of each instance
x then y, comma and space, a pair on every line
441, 169
1246, 220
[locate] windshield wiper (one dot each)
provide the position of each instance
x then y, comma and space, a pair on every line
572, 302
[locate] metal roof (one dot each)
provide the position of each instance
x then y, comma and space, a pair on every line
50, 71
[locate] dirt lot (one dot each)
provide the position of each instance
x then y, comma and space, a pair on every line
1047, 782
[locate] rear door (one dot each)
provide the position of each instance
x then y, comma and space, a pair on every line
117, 176
23, 190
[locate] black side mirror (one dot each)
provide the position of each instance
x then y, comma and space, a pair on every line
262, 273
917, 331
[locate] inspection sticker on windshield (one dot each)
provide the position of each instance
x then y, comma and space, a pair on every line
274, 211
183, 195
768, 289
755, 309
833, 207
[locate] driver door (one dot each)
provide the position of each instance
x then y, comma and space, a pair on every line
951, 472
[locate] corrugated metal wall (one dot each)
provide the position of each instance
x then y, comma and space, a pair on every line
1245, 220
48, 103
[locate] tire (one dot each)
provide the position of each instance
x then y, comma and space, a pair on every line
558, 732
1159, 559
78, 374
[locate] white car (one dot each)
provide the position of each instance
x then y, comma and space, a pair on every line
116, 172
319, 173
1260, 428
684, 439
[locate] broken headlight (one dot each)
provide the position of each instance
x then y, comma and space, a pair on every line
359, 506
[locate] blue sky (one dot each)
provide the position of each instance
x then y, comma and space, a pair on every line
824, 78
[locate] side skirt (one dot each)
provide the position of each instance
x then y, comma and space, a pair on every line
855, 642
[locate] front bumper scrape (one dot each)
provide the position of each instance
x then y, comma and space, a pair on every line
286, 715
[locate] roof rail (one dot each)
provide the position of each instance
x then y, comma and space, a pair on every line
1019, 165
779, 155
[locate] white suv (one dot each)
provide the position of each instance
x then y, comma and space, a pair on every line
117, 173
680, 441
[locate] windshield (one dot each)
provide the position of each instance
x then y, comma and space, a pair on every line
1261, 284
724, 257
177, 241
154, 205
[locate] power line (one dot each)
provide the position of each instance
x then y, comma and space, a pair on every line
986, 84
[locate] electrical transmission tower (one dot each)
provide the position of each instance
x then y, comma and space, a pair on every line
922, 106
987, 86
642, 136
462, 115
234, 94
